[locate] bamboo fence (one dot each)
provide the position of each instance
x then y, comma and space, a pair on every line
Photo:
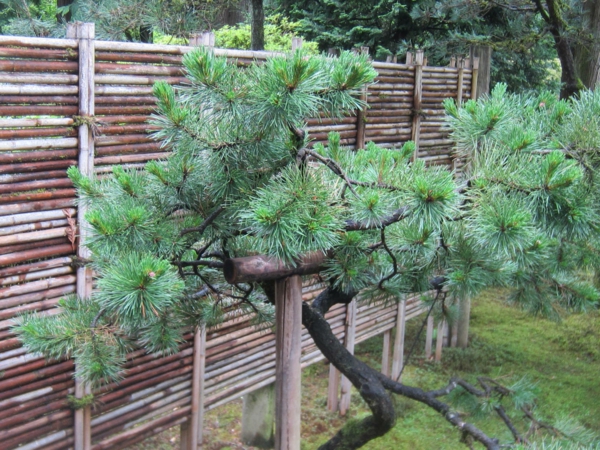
46, 86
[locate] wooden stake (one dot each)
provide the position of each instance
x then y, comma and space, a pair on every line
350, 336
439, 342
417, 96
475, 77
296, 43
461, 74
398, 358
197, 413
84, 33
361, 114
385, 359
288, 304
428, 337
333, 390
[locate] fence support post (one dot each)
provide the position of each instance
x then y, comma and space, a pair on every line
296, 43
333, 390
483, 53
193, 429
385, 357
361, 114
288, 342
350, 335
461, 75
439, 342
428, 337
417, 98
84, 33
398, 358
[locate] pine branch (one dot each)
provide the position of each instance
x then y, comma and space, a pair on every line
210, 219
396, 216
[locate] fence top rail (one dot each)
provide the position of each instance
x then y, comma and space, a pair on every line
21, 41
176, 49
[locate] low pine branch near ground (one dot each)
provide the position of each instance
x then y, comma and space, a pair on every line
563, 359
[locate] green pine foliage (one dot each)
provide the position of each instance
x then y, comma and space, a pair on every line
243, 179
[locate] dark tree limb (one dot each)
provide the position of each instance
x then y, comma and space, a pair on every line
210, 219
372, 385
363, 378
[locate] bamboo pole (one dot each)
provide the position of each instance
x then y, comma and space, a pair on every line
333, 389
197, 412
428, 337
288, 304
84, 33
417, 97
439, 342
361, 114
460, 81
398, 358
350, 340
385, 359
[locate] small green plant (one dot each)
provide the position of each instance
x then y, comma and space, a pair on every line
279, 31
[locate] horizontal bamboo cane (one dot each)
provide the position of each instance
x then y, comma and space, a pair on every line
14, 157
28, 132
34, 185
138, 57
50, 251
34, 53
140, 79
32, 197
19, 41
37, 109
36, 275
125, 159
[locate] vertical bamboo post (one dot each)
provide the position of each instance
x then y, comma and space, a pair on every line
398, 358
194, 40
417, 97
184, 435
439, 342
461, 74
333, 390
196, 422
361, 114
409, 58
207, 39
288, 341
296, 43
385, 358
428, 337
474, 77
452, 61
484, 54
351, 312
84, 33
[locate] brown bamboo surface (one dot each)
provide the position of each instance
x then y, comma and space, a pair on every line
39, 98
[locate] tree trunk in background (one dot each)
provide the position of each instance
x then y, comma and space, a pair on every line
258, 26
587, 57
553, 16
464, 315
66, 17
146, 34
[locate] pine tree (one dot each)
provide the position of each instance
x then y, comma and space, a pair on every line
243, 179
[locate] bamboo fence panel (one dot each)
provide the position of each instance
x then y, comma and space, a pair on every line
39, 102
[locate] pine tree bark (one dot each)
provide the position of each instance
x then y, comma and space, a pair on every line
258, 26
